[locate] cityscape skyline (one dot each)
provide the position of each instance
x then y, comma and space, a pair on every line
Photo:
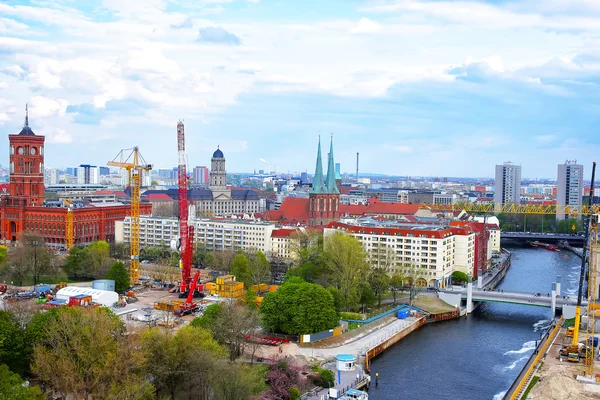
262, 79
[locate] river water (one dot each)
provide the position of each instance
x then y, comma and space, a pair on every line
479, 357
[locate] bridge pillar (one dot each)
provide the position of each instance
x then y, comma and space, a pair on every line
469, 297
553, 294
557, 285
479, 278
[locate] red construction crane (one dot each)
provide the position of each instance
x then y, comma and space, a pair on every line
185, 248
189, 306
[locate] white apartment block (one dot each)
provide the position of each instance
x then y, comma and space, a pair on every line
508, 183
569, 188
214, 234
282, 243
437, 252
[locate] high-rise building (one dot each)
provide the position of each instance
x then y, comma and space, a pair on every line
104, 171
88, 174
508, 183
200, 175
569, 190
50, 176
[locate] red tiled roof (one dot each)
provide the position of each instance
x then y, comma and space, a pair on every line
293, 210
393, 208
434, 234
345, 189
353, 209
282, 232
158, 197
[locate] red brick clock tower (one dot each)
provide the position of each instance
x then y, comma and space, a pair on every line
27, 166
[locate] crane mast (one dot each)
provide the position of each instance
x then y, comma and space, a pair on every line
184, 231
135, 166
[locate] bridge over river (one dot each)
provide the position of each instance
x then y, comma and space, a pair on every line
550, 300
572, 239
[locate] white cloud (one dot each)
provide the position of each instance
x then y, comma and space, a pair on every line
366, 25
59, 136
43, 107
546, 138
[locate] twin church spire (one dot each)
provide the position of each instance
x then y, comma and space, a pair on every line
329, 187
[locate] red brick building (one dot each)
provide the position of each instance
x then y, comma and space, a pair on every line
23, 208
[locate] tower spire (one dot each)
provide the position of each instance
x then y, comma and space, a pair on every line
330, 185
26, 117
317, 186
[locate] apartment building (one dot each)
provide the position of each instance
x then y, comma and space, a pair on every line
436, 251
282, 243
569, 186
214, 234
508, 183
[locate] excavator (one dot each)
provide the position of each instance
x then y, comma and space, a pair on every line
189, 306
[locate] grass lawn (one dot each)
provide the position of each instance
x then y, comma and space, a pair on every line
531, 385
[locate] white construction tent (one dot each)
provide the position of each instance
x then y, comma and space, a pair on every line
103, 297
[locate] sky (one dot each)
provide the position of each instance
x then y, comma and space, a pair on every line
418, 87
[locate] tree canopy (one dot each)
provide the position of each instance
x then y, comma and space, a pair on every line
181, 363
346, 267
118, 273
86, 353
240, 267
299, 308
90, 262
11, 387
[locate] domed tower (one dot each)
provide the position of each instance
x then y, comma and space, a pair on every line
27, 165
218, 175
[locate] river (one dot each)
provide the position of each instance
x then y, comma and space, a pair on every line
478, 357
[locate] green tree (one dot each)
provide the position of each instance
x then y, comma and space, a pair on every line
251, 298
3, 255
14, 351
299, 308
232, 381
380, 283
181, 364
207, 320
260, 269
240, 267
11, 387
308, 271
367, 295
86, 353
337, 298
73, 266
460, 277
396, 282
567, 225
118, 273
97, 258
346, 266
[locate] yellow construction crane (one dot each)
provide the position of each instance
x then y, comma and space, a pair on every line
513, 208
135, 164
592, 295
69, 233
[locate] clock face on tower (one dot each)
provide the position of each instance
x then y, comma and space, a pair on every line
32, 151
20, 150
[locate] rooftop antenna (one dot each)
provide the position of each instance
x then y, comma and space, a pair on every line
26, 116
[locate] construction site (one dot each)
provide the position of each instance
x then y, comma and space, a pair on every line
159, 295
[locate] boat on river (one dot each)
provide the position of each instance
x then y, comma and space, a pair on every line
546, 246
354, 394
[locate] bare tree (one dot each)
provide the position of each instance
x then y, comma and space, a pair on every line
414, 279
235, 326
